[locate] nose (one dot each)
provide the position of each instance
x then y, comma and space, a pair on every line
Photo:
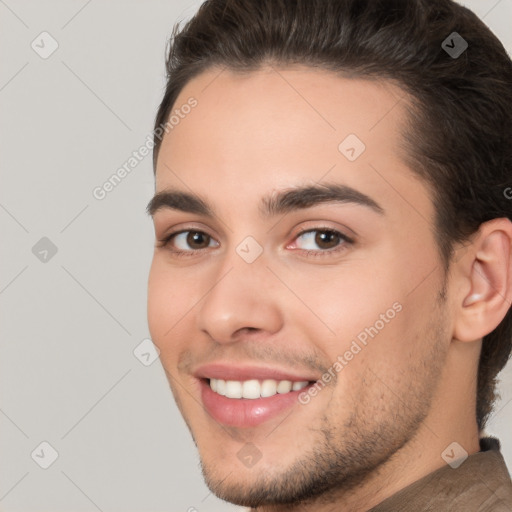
241, 299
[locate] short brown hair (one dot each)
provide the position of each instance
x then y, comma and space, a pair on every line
459, 139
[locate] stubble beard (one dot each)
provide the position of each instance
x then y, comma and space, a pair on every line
340, 458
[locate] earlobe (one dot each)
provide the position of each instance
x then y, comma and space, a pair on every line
489, 298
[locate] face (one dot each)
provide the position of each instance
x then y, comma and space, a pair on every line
296, 273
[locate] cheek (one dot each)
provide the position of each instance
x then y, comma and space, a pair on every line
168, 303
367, 309
343, 302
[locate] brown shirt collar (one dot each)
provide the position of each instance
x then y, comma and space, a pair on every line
480, 484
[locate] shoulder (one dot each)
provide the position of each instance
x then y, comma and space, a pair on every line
481, 483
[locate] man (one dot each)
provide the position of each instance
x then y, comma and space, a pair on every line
332, 280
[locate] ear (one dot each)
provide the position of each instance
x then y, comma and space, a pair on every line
486, 276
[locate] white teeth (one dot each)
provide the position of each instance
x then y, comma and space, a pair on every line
233, 389
285, 386
221, 386
299, 385
253, 388
268, 388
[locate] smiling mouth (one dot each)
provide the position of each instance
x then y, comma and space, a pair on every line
254, 388
249, 402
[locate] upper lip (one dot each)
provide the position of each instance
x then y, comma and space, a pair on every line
227, 371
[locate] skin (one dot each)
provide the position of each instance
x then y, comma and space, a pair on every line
387, 416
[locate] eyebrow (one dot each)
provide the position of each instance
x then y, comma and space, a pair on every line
279, 203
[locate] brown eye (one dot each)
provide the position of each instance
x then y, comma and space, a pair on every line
187, 241
322, 241
327, 239
197, 240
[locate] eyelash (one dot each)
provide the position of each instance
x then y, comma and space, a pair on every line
310, 253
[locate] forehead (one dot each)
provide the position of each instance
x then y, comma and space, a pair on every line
273, 127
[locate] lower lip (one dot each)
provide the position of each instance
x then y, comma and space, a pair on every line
246, 412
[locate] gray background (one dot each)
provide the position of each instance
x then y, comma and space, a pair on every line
70, 324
